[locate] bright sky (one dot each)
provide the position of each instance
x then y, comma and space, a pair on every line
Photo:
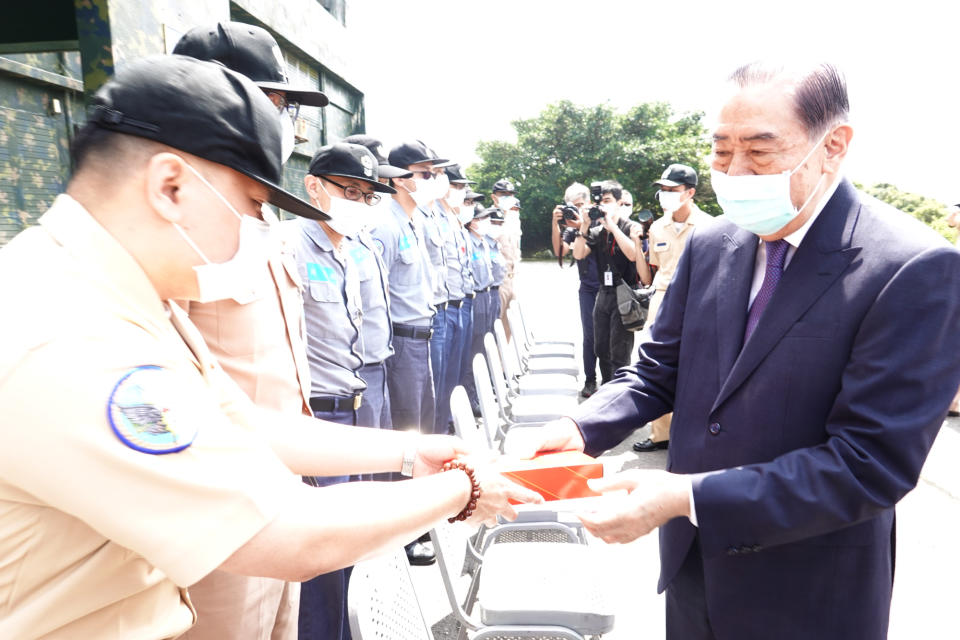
454, 72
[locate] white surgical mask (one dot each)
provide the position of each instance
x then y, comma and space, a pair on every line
482, 227
239, 277
670, 200
507, 202
466, 214
424, 193
288, 137
441, 186
495, 231
626, 211
455, 197
761, 204
347, 217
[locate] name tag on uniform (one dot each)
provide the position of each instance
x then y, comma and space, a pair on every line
661, 246
607, 279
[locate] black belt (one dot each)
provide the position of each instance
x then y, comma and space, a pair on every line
373, 364
470, 295
440, 306
484, 290
410, 331
494, 287
329, 405
455, 303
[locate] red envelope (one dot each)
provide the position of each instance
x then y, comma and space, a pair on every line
555, 476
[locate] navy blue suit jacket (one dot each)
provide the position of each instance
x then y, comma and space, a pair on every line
820, 423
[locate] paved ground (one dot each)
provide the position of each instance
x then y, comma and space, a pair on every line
928, 563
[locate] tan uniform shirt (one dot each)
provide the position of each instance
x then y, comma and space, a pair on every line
666, 244
99, 539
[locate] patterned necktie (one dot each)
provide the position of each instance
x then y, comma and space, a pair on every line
776, 254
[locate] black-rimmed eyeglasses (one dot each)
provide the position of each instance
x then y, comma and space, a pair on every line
351, 192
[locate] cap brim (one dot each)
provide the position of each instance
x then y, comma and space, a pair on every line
667, 183
308, 97
463, 182
286, 200
377, 186
390, 171
441, 162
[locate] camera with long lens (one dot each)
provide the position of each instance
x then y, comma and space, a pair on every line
596, 195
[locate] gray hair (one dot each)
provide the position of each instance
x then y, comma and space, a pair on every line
575, 190
820, 97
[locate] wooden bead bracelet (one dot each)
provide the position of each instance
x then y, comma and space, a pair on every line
474, 490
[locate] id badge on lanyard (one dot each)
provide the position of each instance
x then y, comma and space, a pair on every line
608, 278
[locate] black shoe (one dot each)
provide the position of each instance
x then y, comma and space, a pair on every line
650, 445
589, 388
420, 554
953, 414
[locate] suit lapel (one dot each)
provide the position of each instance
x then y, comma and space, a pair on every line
733, 284
822, 256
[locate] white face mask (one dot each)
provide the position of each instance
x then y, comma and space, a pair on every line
455, 197
288, 136
482, 227
626, 211
441, 186
466, 214
347, 217
761, 204
424, 193
609, 208
495, 231
239, 277
670, 200
507, 202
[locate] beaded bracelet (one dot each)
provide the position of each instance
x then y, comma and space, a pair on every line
474, 491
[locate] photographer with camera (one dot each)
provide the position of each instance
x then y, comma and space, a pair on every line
566, 226
615, 255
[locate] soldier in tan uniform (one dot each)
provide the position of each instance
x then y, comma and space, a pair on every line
133, 466
509, 240
259, 342
666, 240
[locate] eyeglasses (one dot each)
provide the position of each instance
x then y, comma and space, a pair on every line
281, 103
351, 192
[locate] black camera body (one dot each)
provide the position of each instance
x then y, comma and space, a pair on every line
596, 195
570, 212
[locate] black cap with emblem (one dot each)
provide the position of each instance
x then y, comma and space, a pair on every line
473, 195
348, 161
455, 173
204, 109
249, 50
678, 174
408, 153
503, 185
386, 169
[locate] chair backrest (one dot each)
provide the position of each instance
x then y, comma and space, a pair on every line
508, 355
464, 424
499, 384
382, 603
457, 567
520, 348
517, 330
489, 412
521, 321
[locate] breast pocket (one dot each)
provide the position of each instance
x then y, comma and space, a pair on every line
326, 311
408, 271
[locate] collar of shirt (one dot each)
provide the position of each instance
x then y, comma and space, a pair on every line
72, 226
313, 230
695, 216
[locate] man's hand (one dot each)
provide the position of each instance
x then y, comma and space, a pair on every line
434, 450
608, 220
496, 492
557, 214
654, 497
636, 233
559, 435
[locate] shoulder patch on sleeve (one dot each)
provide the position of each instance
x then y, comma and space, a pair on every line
378, 243
141, 412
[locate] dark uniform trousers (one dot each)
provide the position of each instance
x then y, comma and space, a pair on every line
612, 342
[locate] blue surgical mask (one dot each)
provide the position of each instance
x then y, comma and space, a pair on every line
760, 204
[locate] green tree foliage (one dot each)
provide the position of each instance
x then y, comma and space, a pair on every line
571, 143
926, 210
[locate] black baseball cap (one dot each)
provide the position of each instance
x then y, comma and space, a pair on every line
496, 215
386, 169
204, 109
676, 175
503, 185
472, 195
455, 174
482, 212
405, 154
249, 50
350, 161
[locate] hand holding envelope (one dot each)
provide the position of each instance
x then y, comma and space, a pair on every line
653, 497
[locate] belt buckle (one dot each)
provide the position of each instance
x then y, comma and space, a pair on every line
357, 401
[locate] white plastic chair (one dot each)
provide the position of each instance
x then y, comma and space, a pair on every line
548, 364
382, 603
532, 383
464, 423
520, 409
523, 590
537, 350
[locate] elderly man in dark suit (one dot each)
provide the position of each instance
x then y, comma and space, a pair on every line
805, 400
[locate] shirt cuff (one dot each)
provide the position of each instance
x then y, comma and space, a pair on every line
693, 510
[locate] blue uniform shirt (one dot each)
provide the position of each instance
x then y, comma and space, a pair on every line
498, 264
434, 246
401, 243
376, 330
332, 312
480, 262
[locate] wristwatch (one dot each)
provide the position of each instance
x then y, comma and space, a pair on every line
409, 455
